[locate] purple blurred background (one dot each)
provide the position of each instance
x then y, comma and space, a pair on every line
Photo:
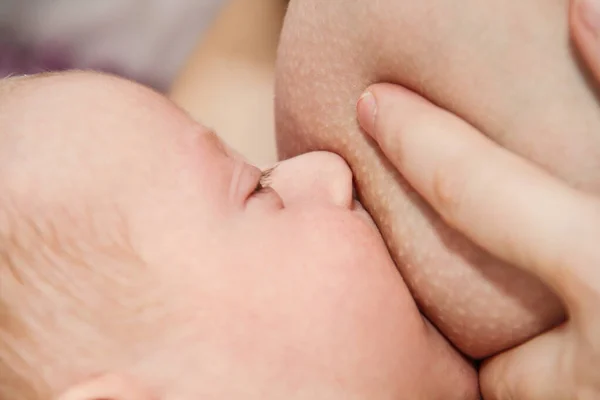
144, 40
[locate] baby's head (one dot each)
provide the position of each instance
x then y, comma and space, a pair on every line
140, 258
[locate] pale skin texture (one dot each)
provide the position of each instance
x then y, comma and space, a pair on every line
558, 243
152, 249
506, 67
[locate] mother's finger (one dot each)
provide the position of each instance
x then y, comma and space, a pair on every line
508, 206
535, 370
585, 28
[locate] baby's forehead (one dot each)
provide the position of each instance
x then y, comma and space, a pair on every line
81, 127
63, 103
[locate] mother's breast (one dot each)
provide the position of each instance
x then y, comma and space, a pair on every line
507, 68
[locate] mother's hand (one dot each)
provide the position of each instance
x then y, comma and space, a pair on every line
516, 211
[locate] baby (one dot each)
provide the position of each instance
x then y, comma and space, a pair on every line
141, 258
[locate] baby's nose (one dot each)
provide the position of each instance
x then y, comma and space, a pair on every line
314, 177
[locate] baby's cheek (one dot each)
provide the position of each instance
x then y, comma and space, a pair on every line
327, 315
357, 328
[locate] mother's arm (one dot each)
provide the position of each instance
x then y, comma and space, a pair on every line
227, 82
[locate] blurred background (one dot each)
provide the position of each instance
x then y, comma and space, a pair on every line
144, 40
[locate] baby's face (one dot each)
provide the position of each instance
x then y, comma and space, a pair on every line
285, 292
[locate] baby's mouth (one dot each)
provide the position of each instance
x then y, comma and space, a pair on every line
358, 208
354, 192
360, 211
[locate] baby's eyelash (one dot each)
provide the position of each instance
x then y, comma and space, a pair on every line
265, 180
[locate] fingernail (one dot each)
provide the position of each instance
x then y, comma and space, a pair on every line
589, 13
366, 109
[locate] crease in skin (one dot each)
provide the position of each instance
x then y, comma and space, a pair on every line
508, 69
238, 170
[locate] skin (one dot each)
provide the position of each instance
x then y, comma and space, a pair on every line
557, 243
289, 292
508, 69
234, 64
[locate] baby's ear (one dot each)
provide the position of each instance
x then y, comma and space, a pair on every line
108, 387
